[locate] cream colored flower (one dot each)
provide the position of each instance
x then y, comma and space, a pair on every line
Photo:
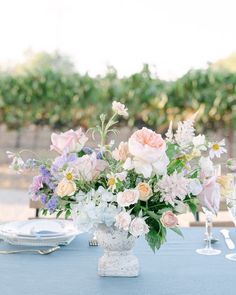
119, 108
66, 188
138, 227
226, 186
128, 197
145, 191
121, 153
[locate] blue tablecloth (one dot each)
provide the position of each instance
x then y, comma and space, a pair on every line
175, 269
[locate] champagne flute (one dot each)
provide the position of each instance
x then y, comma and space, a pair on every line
208, 250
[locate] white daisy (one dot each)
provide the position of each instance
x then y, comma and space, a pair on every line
217, 149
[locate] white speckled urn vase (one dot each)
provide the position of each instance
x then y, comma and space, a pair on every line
118, 259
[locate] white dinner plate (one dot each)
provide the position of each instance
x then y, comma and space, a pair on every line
39, 232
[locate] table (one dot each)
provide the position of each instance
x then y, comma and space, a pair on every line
175, 269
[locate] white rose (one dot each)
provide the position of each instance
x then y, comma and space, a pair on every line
128, 197
123, 220
138, 227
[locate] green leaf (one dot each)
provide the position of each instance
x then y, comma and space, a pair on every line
177, 230
68, 213
59, 213
153, 240
154, 215
193, 204
175, 165
170, 150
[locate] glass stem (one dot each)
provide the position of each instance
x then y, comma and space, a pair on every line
208, 229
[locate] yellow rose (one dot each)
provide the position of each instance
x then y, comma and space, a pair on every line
145, 191
225, 182
65, 188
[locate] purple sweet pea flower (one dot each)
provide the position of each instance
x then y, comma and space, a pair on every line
52, 204
43, 198
72, 157
36, 185
87, 150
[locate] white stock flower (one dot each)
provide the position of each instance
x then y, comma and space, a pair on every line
185, 132
172, 187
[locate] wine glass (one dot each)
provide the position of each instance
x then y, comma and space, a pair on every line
209, 250
231, 205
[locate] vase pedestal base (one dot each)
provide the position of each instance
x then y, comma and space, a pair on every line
118, 264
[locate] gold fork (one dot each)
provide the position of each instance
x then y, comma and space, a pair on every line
41, 252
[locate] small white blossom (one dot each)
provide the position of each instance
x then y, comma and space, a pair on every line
119, 108
17, 163
217, 149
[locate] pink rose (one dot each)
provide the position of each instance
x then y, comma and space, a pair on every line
169, 219
123, 220
149, 151
89, 167
68, 142
138, 227
121, 153
210, 194
128, 197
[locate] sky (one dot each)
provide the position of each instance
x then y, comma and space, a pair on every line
172, 35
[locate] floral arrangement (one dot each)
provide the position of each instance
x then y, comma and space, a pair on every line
140, 186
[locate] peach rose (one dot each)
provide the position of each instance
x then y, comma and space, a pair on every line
69, 141
169, 219
119, 108
121, 153
123, 220
65, 188
128, 197
145, 191
149, 151
138, 227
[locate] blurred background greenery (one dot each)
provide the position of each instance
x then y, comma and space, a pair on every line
46, 90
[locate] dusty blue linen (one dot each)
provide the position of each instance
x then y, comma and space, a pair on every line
175, 269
